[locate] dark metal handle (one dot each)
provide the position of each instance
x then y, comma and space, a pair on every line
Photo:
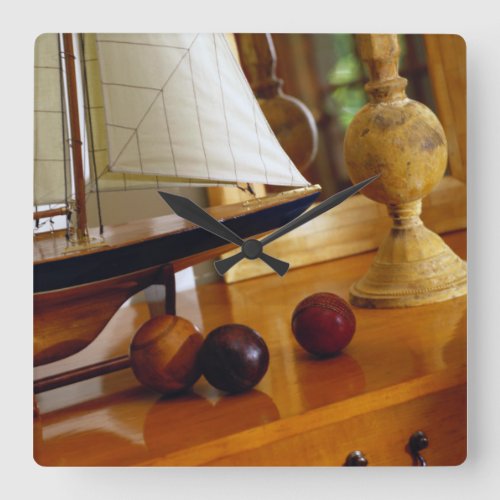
418, 441
356, 459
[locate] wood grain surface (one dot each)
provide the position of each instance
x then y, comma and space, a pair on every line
405, 370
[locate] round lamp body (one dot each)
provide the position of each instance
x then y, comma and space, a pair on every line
234, 358
164, 352
323, 324
404, 143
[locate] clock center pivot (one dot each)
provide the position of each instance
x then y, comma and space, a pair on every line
252, 249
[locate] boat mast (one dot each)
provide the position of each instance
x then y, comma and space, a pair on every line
75, 143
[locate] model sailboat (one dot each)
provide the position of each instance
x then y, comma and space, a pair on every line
159, 110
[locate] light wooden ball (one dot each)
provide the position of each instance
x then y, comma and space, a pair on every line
164, 352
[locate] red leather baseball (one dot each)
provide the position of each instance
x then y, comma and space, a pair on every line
323, 324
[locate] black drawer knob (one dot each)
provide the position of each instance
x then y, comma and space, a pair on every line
418, 441
356, 459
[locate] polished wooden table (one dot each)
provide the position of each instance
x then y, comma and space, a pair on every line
405, 370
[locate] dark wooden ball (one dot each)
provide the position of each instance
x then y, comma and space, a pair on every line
164, 354
323, 324
234, 358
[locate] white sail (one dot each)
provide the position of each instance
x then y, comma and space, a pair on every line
96, 130
51, 157
179, 106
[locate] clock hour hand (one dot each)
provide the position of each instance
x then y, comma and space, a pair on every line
190, 211
225, 264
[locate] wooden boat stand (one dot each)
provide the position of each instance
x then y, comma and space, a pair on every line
166, 277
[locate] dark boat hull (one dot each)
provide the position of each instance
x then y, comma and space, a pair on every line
88, 268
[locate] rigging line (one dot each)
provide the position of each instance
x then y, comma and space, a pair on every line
122, 126
168, 132
48, 159
198, 113
291, 165
224, 110
46, 111
130, 86
86, 95
37, 221
166, 46
63, 117
47, 67
238, 70
258, 139
252, 101
107, 167
139, 152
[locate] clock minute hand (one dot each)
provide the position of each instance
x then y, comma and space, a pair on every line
225, 264
323, 207
190, 211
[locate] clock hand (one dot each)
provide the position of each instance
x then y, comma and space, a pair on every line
221, 266
188, 210
226, 264
277, 265
280, 267
324, 206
